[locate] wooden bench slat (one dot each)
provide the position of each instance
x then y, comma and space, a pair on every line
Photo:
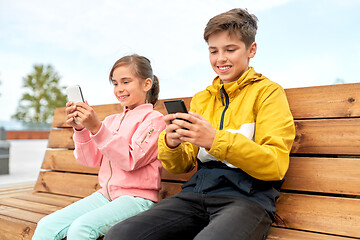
332, 215
331, 175
324, 136
29, 205
15, 229
332, 101
61, 138
48, 198
72, 184
287, 234
327, 136
16, 189
20, 214
64, 160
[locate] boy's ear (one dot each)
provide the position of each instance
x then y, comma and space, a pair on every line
147, 84
252, 50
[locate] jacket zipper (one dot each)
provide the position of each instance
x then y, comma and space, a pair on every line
222, 94
111, 171
147, 134
107, 184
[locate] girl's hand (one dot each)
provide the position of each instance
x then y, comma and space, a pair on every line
70, 114
198, 132
87, 117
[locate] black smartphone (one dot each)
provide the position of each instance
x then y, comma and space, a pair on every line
175, 106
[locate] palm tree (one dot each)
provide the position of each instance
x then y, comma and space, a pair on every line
43, 94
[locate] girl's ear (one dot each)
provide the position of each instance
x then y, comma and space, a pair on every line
147, 84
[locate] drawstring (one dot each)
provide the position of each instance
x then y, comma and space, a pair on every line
221, 93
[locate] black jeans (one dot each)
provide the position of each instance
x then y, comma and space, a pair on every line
196, 216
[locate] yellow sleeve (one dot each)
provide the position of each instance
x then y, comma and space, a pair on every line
181, 159
267, 157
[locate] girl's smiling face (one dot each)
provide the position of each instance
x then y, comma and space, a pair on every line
229, 56
129, 89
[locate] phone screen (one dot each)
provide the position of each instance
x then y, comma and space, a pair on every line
175, 106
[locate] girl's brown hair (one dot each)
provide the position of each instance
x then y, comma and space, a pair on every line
142, 68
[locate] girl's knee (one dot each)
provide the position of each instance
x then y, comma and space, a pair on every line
81, 229
46, 229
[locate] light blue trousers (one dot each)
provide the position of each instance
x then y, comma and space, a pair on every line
89, 218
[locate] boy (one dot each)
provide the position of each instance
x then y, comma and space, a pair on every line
240, 135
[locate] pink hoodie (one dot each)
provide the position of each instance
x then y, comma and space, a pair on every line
126, 149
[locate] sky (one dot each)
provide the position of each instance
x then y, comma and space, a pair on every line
300, 43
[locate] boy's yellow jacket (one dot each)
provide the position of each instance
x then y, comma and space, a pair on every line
255, 129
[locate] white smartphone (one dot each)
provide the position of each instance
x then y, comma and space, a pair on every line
74, 95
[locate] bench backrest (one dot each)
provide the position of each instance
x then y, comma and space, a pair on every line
321, 192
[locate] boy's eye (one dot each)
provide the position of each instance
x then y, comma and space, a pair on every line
213, 52
231, 50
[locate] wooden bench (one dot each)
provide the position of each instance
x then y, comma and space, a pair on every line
320, 197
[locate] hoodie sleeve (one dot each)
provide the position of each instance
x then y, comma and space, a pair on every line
86, 151
267, 157
181, 159
142, 148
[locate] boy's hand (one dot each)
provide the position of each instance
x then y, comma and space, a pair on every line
198, 132
171, 137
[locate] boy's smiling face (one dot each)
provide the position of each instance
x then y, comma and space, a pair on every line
229, 56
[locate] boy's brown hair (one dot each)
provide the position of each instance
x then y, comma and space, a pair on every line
238, 22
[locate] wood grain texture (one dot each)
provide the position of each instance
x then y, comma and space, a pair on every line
327, 136
331, 215
15, 229
64, 160
290, 234
332, 101
48, 198
61, 138
71, 184
324, 175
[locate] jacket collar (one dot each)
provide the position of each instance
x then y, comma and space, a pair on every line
233, 88
147, 107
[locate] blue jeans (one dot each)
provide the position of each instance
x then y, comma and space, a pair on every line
89, 218
197, 216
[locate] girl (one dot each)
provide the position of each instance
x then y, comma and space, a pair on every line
124, 146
